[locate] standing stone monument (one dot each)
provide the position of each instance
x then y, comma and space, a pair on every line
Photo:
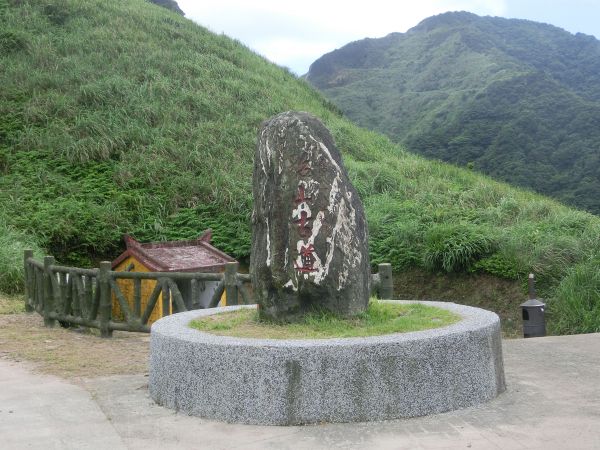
309, 249
309, 233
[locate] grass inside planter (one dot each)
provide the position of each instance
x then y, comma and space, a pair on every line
380, 318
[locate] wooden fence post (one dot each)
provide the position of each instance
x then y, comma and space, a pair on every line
105, 308
166, 297
28, 280
374, 289
48, 292
386, 282
231, 289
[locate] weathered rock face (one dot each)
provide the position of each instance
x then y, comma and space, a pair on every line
309, 233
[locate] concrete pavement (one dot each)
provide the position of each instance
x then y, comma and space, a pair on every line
45, 412
552, 402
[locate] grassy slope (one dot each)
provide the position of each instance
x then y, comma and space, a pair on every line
124, 117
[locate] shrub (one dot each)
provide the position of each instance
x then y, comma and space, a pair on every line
11, 41
57, 12
453, 247
498, 265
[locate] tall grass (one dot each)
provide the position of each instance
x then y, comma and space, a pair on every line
456, 247
122, 117
576, 305
12, 245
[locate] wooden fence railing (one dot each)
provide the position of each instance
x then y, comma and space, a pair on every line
74, 296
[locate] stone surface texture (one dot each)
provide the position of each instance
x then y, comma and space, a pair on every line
285, 382
309, 233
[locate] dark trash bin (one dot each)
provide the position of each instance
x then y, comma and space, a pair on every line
533, 313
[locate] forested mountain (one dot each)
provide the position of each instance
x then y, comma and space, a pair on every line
515, 99
124, 117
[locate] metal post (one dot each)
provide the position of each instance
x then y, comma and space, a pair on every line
105, 308
48, 292
28, 279
531, 286
231, 288
386, 282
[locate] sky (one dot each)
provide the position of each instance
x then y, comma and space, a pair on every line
296, 33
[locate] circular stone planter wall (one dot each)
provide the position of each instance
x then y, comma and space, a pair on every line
285, 382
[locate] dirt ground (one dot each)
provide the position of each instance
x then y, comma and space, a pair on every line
79, 353
69, 353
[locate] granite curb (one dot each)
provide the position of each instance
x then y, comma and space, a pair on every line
285, 382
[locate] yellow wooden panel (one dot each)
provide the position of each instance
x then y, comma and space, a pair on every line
126, 286
147, 286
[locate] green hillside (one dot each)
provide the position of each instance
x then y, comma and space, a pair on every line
123, 117
514, 99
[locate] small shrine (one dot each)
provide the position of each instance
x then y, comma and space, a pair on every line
170, 256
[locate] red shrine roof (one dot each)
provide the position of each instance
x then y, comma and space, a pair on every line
176, 256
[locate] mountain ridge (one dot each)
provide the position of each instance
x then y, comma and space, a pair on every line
424, 87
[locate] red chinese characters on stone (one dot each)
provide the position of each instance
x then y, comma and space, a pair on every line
301, 198
304, 214
306, 261
303, 228
304, 168
307, 258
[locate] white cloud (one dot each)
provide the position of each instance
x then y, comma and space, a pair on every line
294, 34
303, 54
